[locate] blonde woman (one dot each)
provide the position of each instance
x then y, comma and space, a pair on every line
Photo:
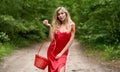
61, 34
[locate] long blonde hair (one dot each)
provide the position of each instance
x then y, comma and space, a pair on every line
56, 22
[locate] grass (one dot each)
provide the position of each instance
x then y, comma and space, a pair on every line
102, 52
106, 55
5, 49
93, 52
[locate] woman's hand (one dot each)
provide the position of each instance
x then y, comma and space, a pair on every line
58, 56
45, 22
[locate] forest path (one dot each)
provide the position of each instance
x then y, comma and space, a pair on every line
22, 60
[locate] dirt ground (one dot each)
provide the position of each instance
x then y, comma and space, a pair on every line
22, 60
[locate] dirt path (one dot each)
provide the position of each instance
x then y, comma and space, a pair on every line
22, 61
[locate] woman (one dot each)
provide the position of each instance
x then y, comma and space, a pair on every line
61, 34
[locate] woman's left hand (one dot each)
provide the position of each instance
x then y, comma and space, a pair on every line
58, 56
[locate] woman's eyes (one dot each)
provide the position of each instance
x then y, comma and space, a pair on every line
60, 14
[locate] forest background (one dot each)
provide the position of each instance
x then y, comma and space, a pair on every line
97, 24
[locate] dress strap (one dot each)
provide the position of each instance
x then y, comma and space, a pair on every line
72, 28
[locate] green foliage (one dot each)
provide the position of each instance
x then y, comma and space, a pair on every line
21, 24
5, 49
110, 52
4, 37
97, 22
20, 28
99, 25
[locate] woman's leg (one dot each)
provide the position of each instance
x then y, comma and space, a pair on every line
62, 69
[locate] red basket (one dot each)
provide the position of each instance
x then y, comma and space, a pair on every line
41, 62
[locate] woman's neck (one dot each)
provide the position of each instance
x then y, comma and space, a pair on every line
62, 22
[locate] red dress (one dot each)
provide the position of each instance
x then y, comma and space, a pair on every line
58, 43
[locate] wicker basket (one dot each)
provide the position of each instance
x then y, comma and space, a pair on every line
40, 62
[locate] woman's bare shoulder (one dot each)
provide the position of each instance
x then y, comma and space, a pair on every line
72, 23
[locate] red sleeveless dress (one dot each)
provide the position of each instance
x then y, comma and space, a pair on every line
58, 43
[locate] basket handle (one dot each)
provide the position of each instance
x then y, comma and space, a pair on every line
41, 45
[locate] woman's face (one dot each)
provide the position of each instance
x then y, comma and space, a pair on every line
61, 15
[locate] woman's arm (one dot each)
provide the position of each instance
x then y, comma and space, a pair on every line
51, 33
69, 42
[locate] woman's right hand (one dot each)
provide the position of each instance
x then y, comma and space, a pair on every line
45, 22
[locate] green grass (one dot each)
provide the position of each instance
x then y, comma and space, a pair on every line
109, 56
5, 49
105, 53
92, 52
